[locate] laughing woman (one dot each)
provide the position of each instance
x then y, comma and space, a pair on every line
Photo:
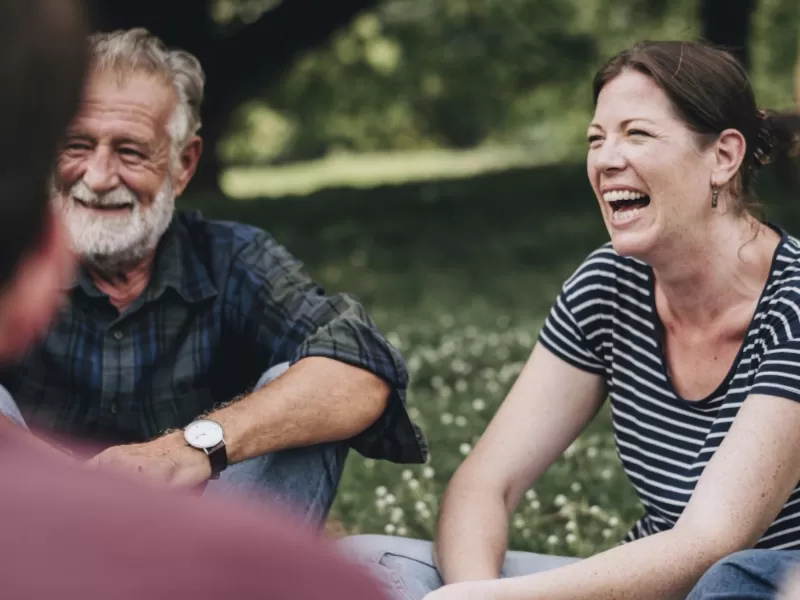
689, 321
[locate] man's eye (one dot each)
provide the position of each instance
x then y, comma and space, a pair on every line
131, 153
77, 146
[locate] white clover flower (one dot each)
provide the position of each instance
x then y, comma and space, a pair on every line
519, 522
478, 404
446, 418
425, 514
493, 387
447, 320
369, 463
575, 487
461, 386
492, 339
396, 515
394, 339
402, 530
390, 499
414, 363
571, 449
437, 381
530, 495
571, 538
594, 510
380, 504
591, 452
503, 353
552, 540
526, 533
413, 484
428, 472
571, 526
464, 449
420, 506
560, 500
502, 321
414, 413
461, 421
536, 505
407, 474
607, 533
381, 491
389, 529
613, 522
446, 391
606, 474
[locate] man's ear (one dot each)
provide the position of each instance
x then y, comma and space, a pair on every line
189, 159
729, 153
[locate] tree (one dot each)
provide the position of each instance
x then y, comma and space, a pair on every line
728, 23
239, 57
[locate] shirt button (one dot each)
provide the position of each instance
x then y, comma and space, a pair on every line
118, 335
114, 408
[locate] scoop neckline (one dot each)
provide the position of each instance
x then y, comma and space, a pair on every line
658, 327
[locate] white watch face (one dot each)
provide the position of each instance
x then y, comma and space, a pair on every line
203, 434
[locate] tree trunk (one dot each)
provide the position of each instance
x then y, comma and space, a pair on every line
727, 23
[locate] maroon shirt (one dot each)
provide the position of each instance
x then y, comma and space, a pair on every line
71, 534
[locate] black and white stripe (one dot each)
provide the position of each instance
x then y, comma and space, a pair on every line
604, 321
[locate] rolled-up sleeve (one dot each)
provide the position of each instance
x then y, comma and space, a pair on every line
283, 313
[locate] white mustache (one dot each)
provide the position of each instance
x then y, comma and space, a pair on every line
119, 196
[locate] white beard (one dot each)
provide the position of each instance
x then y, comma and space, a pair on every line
110, 241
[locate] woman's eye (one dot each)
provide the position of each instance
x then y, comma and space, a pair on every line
638, 132
593, 139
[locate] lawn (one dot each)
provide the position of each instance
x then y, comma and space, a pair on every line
460, 275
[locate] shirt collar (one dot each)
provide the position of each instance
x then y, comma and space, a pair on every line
177, 265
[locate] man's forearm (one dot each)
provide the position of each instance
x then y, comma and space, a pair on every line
472, 535
317, 400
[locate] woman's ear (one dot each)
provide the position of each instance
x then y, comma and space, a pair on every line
729, 153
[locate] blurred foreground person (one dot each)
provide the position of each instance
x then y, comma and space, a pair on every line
73, 533
688, 321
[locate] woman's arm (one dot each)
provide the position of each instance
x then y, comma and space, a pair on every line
741, 491
545, 410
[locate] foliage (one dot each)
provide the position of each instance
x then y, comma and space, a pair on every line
460, 275
418, 74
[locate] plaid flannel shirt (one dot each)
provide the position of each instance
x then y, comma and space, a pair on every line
225, 303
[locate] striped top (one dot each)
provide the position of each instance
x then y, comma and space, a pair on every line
605, 322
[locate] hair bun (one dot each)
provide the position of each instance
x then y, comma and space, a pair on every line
778, 137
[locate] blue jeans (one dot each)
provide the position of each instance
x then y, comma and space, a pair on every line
303, 479
746, 575
405, 566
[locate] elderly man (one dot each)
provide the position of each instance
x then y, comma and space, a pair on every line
68, 532
193, 350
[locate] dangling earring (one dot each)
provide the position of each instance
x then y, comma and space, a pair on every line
714, 197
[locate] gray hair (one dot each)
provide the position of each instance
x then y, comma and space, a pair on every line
127, 50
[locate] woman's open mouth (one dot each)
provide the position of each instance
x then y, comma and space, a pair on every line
625, 205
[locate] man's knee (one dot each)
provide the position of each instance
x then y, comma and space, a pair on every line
9, 408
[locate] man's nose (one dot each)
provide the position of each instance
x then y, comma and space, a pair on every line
101, 172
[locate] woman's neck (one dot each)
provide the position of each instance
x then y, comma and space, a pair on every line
702, 281
124, 283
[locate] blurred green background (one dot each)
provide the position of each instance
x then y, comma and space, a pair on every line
428, 158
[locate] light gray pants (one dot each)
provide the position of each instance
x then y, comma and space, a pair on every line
405, 566
304, 480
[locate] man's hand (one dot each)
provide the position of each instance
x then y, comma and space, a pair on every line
166, 460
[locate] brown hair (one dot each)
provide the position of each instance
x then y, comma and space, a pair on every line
711, 92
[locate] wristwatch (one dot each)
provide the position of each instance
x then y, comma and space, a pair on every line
208, 436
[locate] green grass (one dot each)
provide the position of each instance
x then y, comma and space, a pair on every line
460, 275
